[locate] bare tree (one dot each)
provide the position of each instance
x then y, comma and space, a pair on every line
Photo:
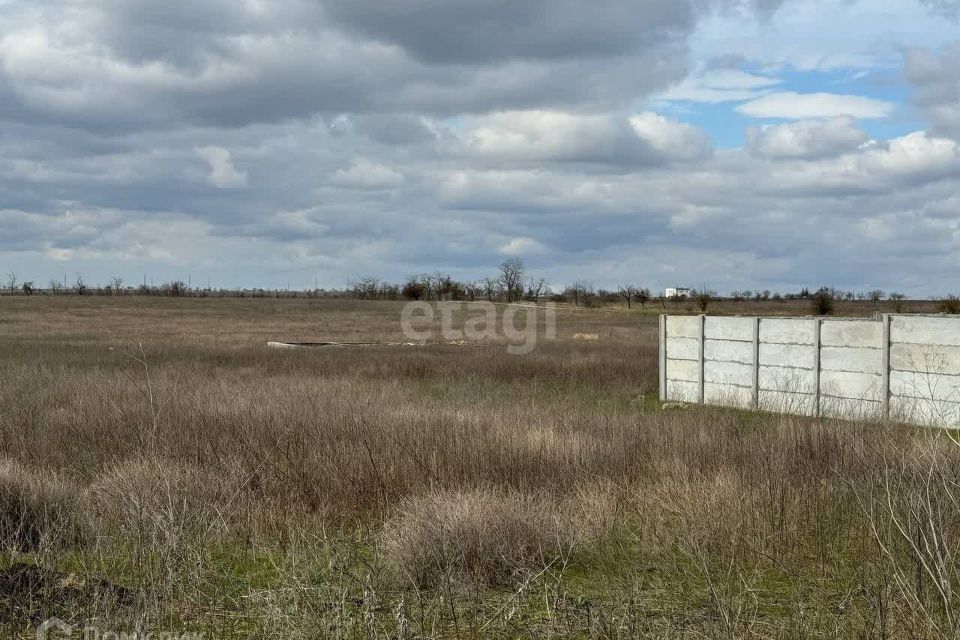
897, 299
489, 286
511, 278
578, 292
535, 289
642, 296
703, 297
54, 286
628, 293
80, 286
27, 288
414, 288
366, 288
473, 289
116, 284
174, 288
12, 282
822, 302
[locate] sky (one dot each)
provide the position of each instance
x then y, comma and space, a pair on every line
728, 144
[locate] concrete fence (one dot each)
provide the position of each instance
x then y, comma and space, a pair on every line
902, 367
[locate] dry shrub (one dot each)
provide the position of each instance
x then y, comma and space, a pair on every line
164, 502
912, 513
484, 535
38, 510
489, 536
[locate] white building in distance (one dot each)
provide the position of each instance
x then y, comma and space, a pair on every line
677, 292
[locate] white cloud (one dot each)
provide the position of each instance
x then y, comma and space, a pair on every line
806, 139
913, 160
543, 136
674, 139
720, 85
915, 154
444, 146
223, 174
801, 106
367, 174
521, 247
547, 135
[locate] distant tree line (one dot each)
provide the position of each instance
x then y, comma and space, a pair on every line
511, 283
172, 289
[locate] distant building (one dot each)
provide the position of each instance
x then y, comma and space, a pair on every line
677, 292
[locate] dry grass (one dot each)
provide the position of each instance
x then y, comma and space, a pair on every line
38, 510
443, 490
490, 535
485, 535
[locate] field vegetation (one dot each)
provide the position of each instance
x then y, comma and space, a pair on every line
161, 469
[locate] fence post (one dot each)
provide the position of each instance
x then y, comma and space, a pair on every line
886, 366
756, 363
703, 339
817, 322
663, 357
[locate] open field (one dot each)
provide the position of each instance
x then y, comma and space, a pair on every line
441, 490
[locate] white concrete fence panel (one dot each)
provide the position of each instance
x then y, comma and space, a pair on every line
902, 367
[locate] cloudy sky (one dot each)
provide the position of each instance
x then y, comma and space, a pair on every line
728, 143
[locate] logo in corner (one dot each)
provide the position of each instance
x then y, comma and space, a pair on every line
53, 628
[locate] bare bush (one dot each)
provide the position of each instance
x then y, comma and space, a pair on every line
482, 535
174, 288
703, 297
163, 502
913, 515
822, 302
492, 536
414, 289
950, 304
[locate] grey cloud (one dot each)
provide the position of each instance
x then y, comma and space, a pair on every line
479, 31
111, 64
806, 139
535, 137
372, 142
935, 76
395, 129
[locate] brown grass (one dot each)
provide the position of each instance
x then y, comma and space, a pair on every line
38, 510
274, 493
